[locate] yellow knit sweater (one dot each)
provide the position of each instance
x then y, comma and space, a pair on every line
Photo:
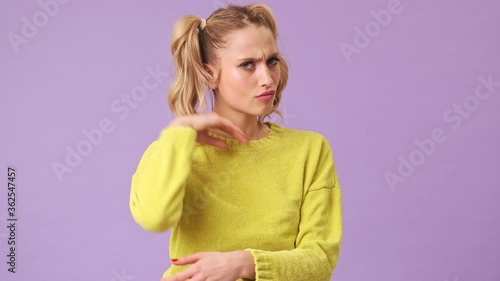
278, 197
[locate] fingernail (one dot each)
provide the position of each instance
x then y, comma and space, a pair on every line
174, 260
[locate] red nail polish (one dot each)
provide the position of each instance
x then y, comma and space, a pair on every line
174, 260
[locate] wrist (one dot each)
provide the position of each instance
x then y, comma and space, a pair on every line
244, 264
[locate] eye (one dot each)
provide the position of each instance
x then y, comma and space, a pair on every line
246, 65
273, 61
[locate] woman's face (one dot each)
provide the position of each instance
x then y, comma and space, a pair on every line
248, 67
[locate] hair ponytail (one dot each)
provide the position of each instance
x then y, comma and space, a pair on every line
189, 87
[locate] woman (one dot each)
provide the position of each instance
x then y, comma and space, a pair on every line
246, 199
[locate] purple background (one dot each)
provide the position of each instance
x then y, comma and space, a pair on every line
441, 223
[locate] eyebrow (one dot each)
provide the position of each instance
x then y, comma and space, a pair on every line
258, 59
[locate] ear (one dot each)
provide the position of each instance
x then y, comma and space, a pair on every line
211, 70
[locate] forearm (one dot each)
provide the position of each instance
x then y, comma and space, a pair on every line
157, 188
297, 264
318, 242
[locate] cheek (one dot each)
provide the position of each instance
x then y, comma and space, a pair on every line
238, 80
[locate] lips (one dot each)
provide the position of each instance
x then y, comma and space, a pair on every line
266, 93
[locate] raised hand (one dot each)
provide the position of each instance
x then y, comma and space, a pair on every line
203, 123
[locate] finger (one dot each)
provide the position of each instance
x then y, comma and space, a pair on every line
202, 124
197, 278
204, 138
236, 130
188, 259
216, 121
231, 128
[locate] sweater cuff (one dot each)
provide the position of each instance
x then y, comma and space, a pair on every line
263, 269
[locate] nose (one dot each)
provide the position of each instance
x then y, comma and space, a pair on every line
266, 79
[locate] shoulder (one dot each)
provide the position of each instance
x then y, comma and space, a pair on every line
301, 136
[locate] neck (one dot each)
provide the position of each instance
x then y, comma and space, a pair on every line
247, 123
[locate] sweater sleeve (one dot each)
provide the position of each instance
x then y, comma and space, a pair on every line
158, 185
319, 235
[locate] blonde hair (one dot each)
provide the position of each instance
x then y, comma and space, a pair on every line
191, 48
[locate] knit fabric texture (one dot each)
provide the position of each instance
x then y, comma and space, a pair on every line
278, 197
